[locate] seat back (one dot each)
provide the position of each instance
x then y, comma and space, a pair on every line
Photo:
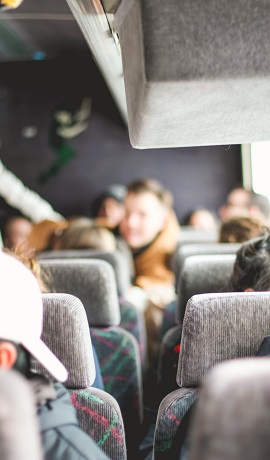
118, 351
92, 281
93, 273
232, 419
115, 258
66, 333
201, 274
186, 250
216, 328
221, 327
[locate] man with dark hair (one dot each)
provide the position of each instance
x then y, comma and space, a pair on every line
20, 331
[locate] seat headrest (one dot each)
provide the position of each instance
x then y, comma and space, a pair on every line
92, 281
232, 419
115, 258
220, 327
202, 274
186, 250
66, 333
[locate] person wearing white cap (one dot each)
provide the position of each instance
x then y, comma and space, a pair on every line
21, 313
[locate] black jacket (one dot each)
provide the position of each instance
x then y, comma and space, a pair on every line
62, 438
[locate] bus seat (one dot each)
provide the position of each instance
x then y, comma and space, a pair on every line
201, 274
181, 254
186, 250
217, 327
93, 282
232, 419
205, 273
115, 258
66, 333
104, 303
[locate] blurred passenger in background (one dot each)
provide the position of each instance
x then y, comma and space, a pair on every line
151, 229
202, 219
83, 234
241, 202
237, 203
240, 229
110, 205
16, 231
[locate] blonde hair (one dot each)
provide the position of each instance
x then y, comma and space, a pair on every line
84, 235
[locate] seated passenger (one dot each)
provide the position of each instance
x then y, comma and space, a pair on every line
110, 205
20, 331
201, 219
83, 234
251, 270
151, 229
16, 231
241, 202
240, 229
237, 203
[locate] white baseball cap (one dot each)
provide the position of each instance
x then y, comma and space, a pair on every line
21, 313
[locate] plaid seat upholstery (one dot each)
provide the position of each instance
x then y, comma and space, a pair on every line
217, 327
66, 332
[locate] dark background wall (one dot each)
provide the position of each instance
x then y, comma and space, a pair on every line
29, 93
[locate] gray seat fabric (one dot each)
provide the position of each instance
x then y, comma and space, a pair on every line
66, 332
18, 440
232, 417
186, 250
201, 274
219, 327
92, 281
198, 73
216, 328
115, 258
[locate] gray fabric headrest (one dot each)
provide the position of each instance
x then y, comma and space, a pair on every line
66, 333
202, 274
220, 327
92, 281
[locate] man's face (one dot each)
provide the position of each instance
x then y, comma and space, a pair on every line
144, 219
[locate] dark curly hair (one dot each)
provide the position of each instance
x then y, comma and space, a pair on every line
252, 265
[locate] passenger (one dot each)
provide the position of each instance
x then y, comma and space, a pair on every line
237, 204
251, 270
241, 202
240, 229
18, 440
151, 229
33, 264
20, 331
82, 234
110, 205
16, 231
259, 207
201, 219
